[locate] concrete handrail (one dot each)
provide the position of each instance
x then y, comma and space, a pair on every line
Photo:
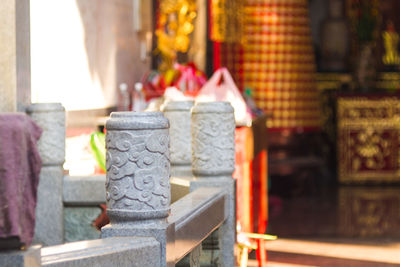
195, 217
116, 251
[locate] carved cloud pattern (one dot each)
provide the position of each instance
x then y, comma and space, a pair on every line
138, 170
213, 142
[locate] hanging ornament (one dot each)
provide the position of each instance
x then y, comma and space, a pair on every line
175, 25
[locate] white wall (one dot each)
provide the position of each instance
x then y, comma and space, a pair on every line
81, 50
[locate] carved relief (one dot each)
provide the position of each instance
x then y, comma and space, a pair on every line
137, 170
178, 113
213, 142
138, 166
180, 140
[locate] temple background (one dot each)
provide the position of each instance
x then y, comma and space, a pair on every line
82, 51
115, 44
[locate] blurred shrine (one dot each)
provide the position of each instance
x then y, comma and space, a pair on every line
329, 85
321, 79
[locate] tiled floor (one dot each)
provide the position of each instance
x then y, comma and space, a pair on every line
345, 211
336, 226
332, 252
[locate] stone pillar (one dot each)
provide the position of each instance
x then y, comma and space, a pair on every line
49, 228
15, 70
213, 163
137, 184
178, 114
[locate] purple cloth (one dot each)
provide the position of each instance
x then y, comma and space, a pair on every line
20, 166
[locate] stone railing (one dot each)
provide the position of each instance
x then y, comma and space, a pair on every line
213, 163
51, 118
145, 229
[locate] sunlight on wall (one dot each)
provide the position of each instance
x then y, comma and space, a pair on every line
60, 67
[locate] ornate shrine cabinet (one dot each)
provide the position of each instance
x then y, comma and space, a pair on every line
368, 138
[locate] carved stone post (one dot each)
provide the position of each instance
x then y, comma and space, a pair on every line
137, 185
49, 227
178, 114
213, 162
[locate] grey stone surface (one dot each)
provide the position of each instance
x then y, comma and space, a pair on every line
181, 170
21, 258
51, 118
213, 139
49, 229
179, 113
138, 166
164, 233
195, 217
78, 223
227, 232
213, 163
137, 181
117, 251
49, 210
84, 190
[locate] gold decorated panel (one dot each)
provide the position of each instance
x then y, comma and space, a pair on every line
368, 139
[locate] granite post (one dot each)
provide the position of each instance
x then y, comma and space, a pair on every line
137, 181
213, 163
49, 229
178, 114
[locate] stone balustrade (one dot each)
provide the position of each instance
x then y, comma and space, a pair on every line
213, 163
49, 227
138, 191
138, 169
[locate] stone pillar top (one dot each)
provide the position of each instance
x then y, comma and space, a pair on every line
178, 113
51, 118
136, 121
179, 105
138, 166
211, 107
45, 107
213, 139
